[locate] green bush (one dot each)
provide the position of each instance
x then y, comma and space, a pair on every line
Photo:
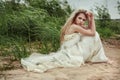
21, 26
105, 32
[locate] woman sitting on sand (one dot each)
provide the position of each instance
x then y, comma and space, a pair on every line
79, 44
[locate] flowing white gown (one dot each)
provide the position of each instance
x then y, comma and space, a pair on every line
75, 50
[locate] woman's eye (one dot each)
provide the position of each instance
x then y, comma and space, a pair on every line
84, 20
80, 18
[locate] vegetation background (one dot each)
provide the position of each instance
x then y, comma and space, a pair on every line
34, 26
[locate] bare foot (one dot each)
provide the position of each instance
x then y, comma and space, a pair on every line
110, 61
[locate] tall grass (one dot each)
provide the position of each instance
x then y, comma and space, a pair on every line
24, 30
21, 27
13, 48
110, 28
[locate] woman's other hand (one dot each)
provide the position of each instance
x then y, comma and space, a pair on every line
89, 15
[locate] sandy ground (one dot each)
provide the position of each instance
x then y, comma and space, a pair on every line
89, 71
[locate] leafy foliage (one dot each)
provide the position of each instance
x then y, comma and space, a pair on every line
103, 16
118, 6
105, 32
105, 25
39, 21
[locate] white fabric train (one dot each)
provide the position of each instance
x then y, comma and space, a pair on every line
75, 50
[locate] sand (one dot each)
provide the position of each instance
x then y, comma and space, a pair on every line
89, 71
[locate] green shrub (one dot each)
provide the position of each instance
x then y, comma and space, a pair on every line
21, 25
105, 32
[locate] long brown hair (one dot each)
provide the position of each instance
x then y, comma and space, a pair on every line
70, 21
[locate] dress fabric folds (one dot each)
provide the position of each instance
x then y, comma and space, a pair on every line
75, 50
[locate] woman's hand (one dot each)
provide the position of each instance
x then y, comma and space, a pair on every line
89, 15
91, 22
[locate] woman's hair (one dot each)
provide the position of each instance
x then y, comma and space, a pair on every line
70, 21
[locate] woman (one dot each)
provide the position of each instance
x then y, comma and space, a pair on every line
79, 43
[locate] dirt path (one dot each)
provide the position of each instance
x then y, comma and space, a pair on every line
89, 71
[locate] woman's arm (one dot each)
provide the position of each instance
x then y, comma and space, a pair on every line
91, 26
91, 22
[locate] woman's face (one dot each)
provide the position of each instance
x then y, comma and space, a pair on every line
80, 19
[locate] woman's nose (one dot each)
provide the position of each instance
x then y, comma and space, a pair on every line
81, 20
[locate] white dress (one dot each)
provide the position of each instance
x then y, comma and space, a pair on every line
75, 50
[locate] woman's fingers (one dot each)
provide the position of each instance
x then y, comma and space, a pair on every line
89, 13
